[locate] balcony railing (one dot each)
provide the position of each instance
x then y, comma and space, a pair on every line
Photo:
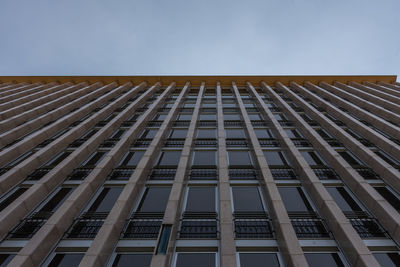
174, 143
203, 174
142, 143
143, 226
87, 225
29, 226
39, 173
325, 173
251, 225
233, 123
308, 225
365, 225
269, 142
121, 174
236, 143
242, 174
199, 226
367, 173
205, 143
162, 174
283, 174
79, 174
301, 142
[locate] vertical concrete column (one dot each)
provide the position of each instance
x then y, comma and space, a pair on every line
22, 104
105, 240
173, 208
33, 253
227, 241
388, 173
17, 89
373, 201
378, 96
384, 87
288, 243
16, 95
396, 88
364, 103
379, 140
353, 246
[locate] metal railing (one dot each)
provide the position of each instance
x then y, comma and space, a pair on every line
87, 225
283, 174
325, 173
121, 173
308, 225
252, 225
269, 142
162, 174
29, 226
242, 174
79, 174
142, 226
199, 225
203, 174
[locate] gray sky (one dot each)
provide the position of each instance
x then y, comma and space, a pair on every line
270, 37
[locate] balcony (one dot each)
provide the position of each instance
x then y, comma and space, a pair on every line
325, 173
86, 226
283, 174
251, 225
269, 142
79, 174
205, 142
308, 225
121, 174
29, 226
162, 174
174, 143
242, 174
365, 225
142, 226
236, 143
199, 226
301, 142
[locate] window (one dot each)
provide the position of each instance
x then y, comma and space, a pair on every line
8, 199
148, 134
131, 159
117, 134
126, 260
195, 260
255, 117
232, 117
66, 260
294, 199
185, 117
56, 200
247, 199
258, 259
350, 158
387, 158
239, 158
389, 196
201, 199
204, 158
209, 105
154, 199
160, 117
264, 133
276, 158
57, 159
280, 117
208, 117
324, 134
206, 133
105, 200
93, 159
324, 259
169, 158
343, 199
312, 158
181, 133
235, 133
389, 259
5, 259
293, 133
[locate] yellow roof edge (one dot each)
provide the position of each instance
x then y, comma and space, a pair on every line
226, 80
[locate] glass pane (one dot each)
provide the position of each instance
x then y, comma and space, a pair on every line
390, 259
389, 196
57, 159
178, 133
293, 133
263, 133
275, 158
206, 133
312, 158
294, 199
56, 200
106, 199
185, 117
131, 159
4, 202
94, 158
246, 199
204, 158
195, 260
127, 260
66, 260
232, 117
5, 259
201, 199
350, 158
343, 199
255, 117
117, 134
235, 133
239, 158
324, 259
169, 158
149, 134
208, 117
154, 199
258, 259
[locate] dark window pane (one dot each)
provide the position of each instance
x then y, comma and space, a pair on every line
195, 260
178, 133
293, 133
5, 259
350, 158
206, 133
386, 158
275, 158
343, 199
294, 199
185, 117
201, 199
10, 198
94, 159
258, 259
204, 158
106, 199
66, 260
255, 117
263, 133
160, 117
149, 134
169, 158
391, 259
389, 196
280, 117
56, 200
324, 259
154, 199
131, 158
117, 134
312, 158
324, 134
232, 117
235, 133
128, 260
247, 199
57, 159
208, 117
239, 158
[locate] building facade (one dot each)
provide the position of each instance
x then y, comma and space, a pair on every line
215, 171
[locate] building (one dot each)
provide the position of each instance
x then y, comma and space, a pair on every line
200, 171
